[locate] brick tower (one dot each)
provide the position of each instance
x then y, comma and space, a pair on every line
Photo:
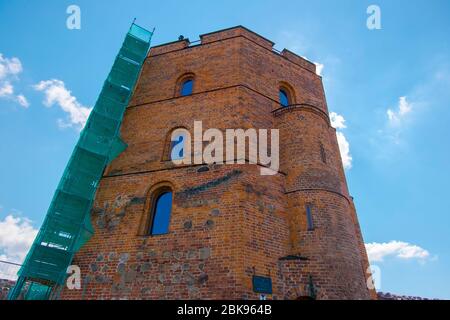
233, 233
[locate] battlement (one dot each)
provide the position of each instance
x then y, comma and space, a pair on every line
231, 33
238, 31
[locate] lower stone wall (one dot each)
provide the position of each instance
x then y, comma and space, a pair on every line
331, 247
293, 283
218, 236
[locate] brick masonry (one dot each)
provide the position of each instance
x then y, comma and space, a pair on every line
228, 222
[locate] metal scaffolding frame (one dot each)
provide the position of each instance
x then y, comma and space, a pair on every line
67, 225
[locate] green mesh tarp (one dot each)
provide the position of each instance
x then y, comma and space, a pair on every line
37, 291
67, 225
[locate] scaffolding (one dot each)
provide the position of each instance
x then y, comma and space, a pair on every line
67, 225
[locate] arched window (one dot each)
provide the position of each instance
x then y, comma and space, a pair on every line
160, 211
177, 146
178, 143
286, 94
186, 87
284, 97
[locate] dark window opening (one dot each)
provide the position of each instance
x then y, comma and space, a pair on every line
186, 87
284, 98
177, 148
161, 214
309, 219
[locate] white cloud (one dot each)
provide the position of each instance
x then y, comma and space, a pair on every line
9, 71
344, 148
22, 101
395, 126
9, 67
57, 93
338, 122
399, 249
6, 89
16, 237
404, 107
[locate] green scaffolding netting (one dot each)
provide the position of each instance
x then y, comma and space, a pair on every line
67, 225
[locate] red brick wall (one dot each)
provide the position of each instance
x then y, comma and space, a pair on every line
228, 222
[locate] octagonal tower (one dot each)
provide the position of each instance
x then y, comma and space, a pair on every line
232, 233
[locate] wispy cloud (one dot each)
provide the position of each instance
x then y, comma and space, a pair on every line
56, 93
398, 121
16, 237
404, 107
10, 68
377, 252
22, 101
338, 122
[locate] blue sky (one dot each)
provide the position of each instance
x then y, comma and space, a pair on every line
400, 159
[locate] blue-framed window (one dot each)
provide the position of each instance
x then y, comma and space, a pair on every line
186, 87
162, 209
284, 98
177, 147
309, 219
